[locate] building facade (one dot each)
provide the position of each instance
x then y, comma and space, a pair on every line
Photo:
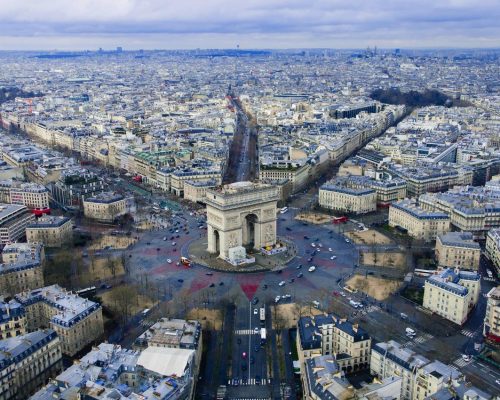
418, 223
457, 249
104, 207
347, 199
14, 219
491, 327
76, 320
452, 293
50, 231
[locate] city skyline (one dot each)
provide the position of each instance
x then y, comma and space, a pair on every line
275, 24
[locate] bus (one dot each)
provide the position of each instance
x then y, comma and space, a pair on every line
262, 336
339, 220
87, 292
284, 210
262, 315
185, 261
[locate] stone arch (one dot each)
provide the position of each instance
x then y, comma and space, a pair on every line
216, 241
250, 227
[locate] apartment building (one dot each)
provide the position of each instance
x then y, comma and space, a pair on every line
420, 224
155, 373
74, 185
12, 319
104, 207
330, 334
452, 293
492, 248
31, 195
14, 218
76, 320
21, 267
27, 361
457, 249
298, 175
195, 191
51, 231
347, 199
491, 327
433, 377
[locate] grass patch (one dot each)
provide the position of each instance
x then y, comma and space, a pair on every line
414, 294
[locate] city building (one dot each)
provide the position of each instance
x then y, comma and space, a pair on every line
155, 373
492, 248
323, 379
31, 195
452, 293
420, 224
458, 249
104, 207
241, 214
491, 328
195, 191
12, 319
345, 198
51, 231
27, 361
14, 219
74, 185
21, 267
77, 321
331, 335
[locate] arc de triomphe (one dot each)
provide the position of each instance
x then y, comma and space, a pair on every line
241, 214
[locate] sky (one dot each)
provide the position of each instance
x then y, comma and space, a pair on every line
251, 24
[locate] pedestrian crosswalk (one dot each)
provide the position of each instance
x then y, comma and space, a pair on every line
246, 332
467, 332
370, 309
460, 362
419, 339
248, 382
487, 278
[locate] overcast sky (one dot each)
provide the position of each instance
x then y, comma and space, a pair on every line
180, 24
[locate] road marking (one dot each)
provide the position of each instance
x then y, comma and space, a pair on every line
245, 332
467, 332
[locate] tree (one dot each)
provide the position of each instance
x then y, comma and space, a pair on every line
123, 298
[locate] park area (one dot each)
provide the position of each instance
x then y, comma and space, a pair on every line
368, 236
209, 318
125, 300
314, 218
375, 287
386, 259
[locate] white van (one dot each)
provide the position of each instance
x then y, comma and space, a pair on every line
410, 332
315, 303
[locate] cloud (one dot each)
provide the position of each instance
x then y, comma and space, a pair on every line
259, 23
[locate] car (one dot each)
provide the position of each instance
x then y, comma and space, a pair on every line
173, 243
497, 381
177, 231
180, 280
335, 293
312, 269
466, 357
299, 266
277, 299
256, 329
221, 283
255, 300
169, 260
342, 294
291, 280
165, 239
320, 245
209, 273
330, 249
177, 236
300, 275
309, 259
255, 311
148, 243
279, 271
282, 283
313, 244
333, 257
265, 286
347, 240
257, 380
236, 381
306, 237
256, 348
288, 229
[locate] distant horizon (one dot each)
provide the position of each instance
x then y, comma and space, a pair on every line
254, 24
